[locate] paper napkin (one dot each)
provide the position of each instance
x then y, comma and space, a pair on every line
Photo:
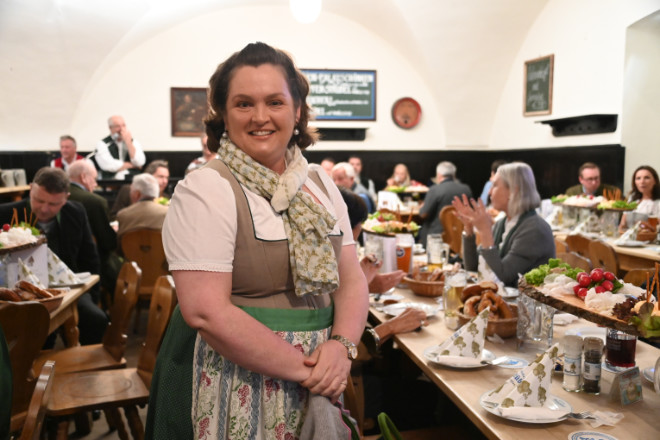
26, 274
59, 273
532, 413
467, 341
530, 386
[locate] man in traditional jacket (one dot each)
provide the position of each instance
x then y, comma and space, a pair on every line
119, 155
68, 153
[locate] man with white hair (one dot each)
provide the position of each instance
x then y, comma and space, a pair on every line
440, 195
82, 177
119, 155
144, 212
343, 174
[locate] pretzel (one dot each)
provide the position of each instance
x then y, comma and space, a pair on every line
25, 295
39, 292
469, 306
9, 295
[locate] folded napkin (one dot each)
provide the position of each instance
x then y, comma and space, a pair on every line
26, 274
467, 341
630, 234
59, 273
530, 386
605, 418
532, 413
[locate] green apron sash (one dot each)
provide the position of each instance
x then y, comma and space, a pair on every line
292, 320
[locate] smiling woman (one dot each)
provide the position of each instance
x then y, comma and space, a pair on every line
253, 350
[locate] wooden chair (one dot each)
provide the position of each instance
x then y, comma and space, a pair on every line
638, 276
603, 255
575, 260
37, 409
561, 246
25, 325
109, 354
452, 229
579, 243
145, 247
109, 390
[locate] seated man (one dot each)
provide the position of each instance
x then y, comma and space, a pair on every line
83, 176
144, 212
68, 153
440, 195
69, 236
157, 168
589, 177
118, 154
343, 174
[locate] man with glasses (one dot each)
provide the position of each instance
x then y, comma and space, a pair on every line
589, 176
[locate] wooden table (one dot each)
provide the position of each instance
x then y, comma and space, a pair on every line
465, 387
13, 192
67, 313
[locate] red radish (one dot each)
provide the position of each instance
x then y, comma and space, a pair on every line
596, 275
607, 285
609, 276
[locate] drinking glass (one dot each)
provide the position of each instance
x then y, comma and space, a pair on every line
455, 282
534, 323
620, 349
437, 251
404, 246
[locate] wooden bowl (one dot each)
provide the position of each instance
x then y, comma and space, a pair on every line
421, 287
50, 303
504, 328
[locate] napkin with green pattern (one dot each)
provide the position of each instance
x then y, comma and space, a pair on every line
467, 341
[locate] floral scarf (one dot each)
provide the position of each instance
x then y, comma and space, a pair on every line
307, 224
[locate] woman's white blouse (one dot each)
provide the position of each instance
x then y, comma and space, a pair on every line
649, 207
200, 228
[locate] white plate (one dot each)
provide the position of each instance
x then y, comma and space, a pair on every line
591, 435
552, 402
648, 373
513, 363
597, 332
630, 243
398, 308
432, 356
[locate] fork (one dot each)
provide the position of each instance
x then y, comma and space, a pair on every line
581, 415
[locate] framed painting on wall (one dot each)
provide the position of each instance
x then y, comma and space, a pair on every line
188, 109
538, 86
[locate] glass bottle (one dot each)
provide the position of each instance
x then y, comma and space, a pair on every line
593, 354
572, 362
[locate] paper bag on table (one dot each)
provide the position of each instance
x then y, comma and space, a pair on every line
530, 386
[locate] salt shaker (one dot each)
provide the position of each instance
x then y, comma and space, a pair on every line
593, 354
572, 362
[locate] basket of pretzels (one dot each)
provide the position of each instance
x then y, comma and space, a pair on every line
503, 317
429, 284
25, 291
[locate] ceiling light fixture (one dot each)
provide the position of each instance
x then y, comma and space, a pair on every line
305, 11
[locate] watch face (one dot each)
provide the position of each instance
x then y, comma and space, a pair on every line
352, 352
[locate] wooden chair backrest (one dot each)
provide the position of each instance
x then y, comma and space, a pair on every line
638, 276
603, 255
452, 229
579, 243
37, 408
145, 247
561, 246
25, 325
125, 299
575, 260
162, 305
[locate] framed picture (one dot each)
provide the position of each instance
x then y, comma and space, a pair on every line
538, 86
188, 109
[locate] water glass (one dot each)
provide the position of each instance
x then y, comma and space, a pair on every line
534, 323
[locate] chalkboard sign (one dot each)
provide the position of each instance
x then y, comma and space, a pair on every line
538, 86
342, 94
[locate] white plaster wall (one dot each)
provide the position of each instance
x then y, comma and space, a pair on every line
587, 38
138, 85
641, 103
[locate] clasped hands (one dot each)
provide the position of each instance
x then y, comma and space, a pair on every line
474, 216
330, 369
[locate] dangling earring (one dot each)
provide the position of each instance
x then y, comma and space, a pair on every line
296, 132
225, 135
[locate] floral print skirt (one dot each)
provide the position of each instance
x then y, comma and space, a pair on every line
230, 402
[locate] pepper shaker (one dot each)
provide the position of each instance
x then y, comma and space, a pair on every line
593, 354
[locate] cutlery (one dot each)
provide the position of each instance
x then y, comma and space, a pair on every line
581, 415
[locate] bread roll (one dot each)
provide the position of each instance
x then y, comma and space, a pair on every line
41, 293
9, 295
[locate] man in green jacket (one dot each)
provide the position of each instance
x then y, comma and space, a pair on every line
589, 176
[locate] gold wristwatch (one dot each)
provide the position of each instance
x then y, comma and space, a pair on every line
350, 347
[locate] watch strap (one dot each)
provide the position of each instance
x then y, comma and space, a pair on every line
350, 346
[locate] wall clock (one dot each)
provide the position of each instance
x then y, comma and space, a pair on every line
406, 113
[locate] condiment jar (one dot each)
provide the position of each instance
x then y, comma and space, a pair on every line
593, 354
572, 363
